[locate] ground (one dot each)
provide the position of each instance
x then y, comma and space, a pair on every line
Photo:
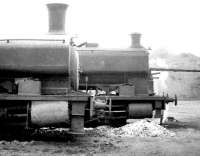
185, 142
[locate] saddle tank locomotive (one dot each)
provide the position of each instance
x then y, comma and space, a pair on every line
53, 83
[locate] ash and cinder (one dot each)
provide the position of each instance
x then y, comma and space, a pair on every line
140, 128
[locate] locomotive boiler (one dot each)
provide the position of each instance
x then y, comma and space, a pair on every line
53, 83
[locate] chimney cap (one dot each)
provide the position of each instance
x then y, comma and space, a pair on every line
57, 5
136, 33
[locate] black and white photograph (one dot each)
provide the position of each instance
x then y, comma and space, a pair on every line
99, 78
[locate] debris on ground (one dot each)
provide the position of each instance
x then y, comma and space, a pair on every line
141, 128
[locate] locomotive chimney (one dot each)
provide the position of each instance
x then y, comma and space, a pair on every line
56, 13
135, 40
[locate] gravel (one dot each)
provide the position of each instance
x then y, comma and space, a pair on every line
141, 128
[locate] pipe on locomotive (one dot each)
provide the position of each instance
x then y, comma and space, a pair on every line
57, 12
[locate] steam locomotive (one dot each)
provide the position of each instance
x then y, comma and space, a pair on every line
54, 83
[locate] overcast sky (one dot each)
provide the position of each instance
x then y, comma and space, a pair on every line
170, 24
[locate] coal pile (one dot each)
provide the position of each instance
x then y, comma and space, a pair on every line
141, 128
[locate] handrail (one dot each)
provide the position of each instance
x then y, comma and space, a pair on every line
8, 40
